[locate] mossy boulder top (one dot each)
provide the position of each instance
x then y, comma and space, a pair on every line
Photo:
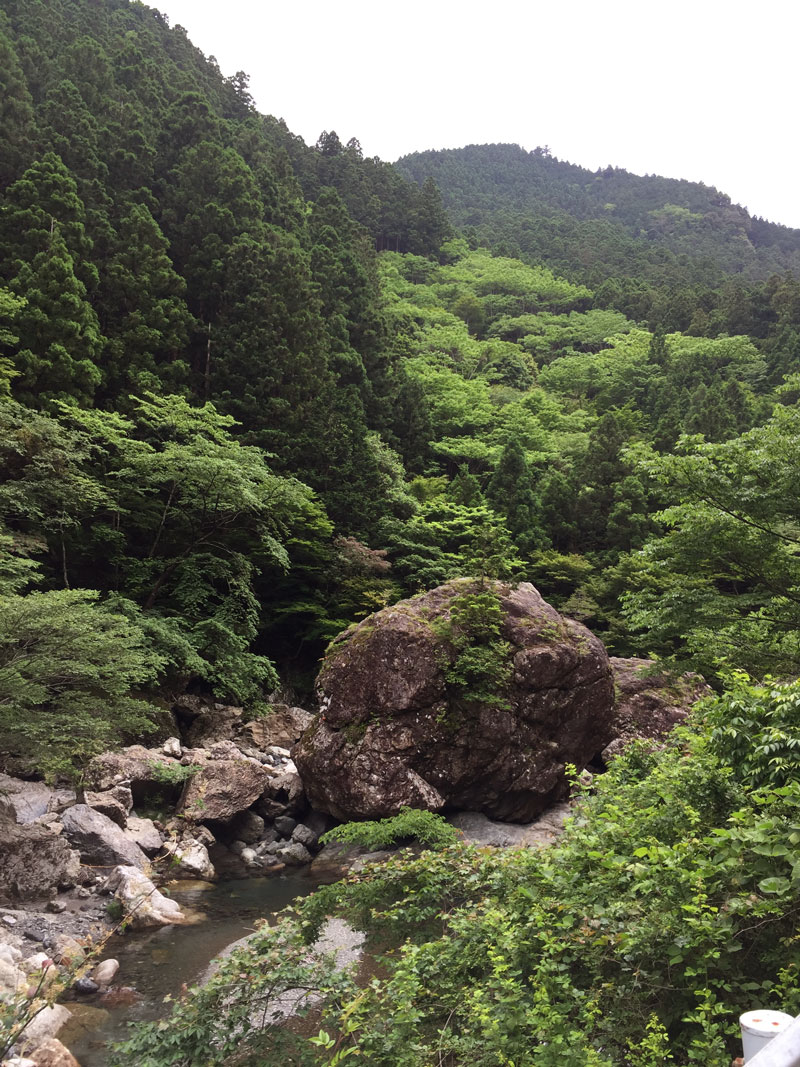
392, 731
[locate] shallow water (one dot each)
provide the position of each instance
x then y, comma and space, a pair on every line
158, 962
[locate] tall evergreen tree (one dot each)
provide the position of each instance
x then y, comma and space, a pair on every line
17, 123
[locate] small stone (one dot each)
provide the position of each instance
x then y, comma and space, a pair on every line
172, 747
238, 847
305, 836
276, 750
67, 950
295, 854
285, 825
82, 892
85, 986
249, 857
105, 972
37, 962
9, 920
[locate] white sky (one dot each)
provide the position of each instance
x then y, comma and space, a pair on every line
701, 89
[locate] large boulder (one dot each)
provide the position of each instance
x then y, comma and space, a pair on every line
34, 859
394, 731
282, 726
205, 723
649, 703
100, 841
142, 904
148, 772
31, 800
220, 789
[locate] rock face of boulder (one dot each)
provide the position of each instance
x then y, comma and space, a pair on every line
282, 726
142, 903
99, 840
33, 858
136, 765
222, 788
649, 705
31, 800
391, 733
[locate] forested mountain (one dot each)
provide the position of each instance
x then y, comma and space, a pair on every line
602, 225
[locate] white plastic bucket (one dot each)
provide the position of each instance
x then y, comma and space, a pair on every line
759, 1028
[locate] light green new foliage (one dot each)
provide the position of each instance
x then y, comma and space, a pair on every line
68, 663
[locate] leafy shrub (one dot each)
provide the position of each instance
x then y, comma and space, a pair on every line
423, 826
171, 774
480, 669
756, 729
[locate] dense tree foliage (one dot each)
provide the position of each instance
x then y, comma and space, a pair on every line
603, 226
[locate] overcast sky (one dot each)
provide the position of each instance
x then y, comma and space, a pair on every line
701, 89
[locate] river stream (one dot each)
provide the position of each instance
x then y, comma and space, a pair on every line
156, 963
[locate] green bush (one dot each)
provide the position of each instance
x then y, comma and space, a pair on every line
756, 729
422, 826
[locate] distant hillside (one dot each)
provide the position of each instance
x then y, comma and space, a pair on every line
592, 225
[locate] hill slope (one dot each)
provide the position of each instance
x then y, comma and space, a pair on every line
592, 225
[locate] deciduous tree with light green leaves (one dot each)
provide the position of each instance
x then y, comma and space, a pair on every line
68, 665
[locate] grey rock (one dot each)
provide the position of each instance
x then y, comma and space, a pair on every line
285, 825
45, 1025
107, 804
281, 727
247, 827
213, 722
220, 790
172, 748
189, 859
294, 854
478, 829
137, 766
31, 800
105, 972
85, 985
305, 835
649, 703
142, 832
99, 840
35, 859
142, 903
287, 792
